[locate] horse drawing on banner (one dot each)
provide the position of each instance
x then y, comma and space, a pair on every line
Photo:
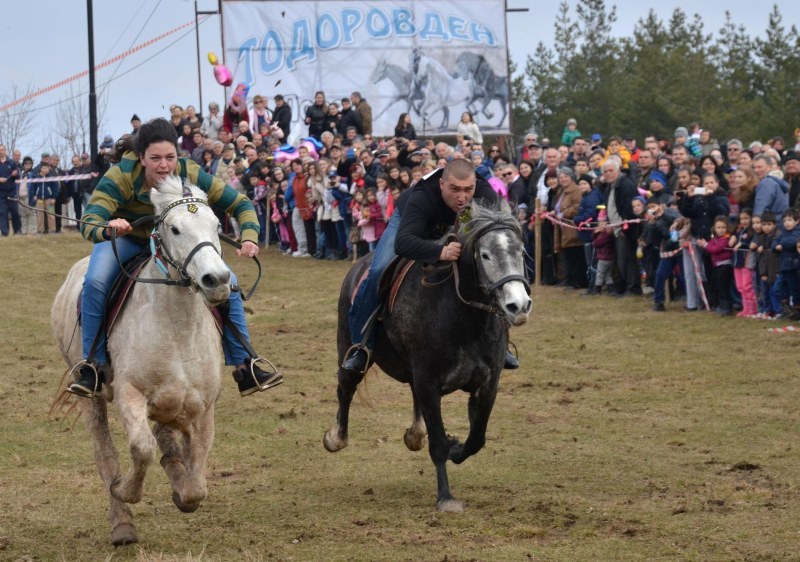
406, 89
439, 89
485, 85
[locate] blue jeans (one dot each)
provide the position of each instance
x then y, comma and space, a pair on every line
663, 272
366, 301
9, 207
786, 287
104, 269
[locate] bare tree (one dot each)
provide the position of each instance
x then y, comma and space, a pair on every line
69, 128
16, 122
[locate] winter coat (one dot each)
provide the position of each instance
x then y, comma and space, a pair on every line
604, 245
567, 208
587, 211
787, 257
702, 210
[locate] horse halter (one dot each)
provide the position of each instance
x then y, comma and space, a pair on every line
488, 289
160, 252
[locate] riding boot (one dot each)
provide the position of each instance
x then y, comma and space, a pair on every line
356, 359
255, 379
88, 382
511, 361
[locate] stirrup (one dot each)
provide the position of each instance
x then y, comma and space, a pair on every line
83, 390
274, 380
355, 348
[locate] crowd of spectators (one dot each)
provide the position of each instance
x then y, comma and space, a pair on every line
615, 218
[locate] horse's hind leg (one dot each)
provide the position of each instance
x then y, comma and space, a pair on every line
142, 444
336, 437
480, 408
123, 530
415, 435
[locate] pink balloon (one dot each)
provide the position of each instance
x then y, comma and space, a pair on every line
223, 75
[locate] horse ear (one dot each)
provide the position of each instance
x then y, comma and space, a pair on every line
504, 206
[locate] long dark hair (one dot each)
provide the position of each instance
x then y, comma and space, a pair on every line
155, 130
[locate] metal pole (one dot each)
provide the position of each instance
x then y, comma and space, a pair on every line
197, 41
537, 250
92, 94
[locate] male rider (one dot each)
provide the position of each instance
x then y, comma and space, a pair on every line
423, 215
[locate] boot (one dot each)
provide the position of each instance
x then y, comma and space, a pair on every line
254, 379
88, 382
356, 359
511, 361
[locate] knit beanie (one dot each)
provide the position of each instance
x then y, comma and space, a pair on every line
657, 175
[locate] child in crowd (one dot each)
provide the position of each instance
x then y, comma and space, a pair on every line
355, 230
277, 218
721, 254
755, 243
662, 233
382, 194
787, 288
768, 265
744, 262
376, 215
603, 242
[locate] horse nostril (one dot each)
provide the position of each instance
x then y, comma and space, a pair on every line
530, 305
512, 308
211, 280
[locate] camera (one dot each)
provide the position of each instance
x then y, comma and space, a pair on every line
651, 212
700, 191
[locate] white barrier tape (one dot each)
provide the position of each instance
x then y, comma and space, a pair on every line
58, 178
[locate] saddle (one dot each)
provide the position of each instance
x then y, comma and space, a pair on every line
390, 282
121, 288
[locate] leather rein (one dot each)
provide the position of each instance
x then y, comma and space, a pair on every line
161, 254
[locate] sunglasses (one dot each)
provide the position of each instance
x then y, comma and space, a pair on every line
507, 174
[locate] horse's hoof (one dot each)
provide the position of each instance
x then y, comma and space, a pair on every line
332, 442
124, 534
413, 441
450, 506
184, 507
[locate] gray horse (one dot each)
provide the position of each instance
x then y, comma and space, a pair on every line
447, 331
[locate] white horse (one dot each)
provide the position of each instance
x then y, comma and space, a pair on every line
439, 89
165, 351
403, 82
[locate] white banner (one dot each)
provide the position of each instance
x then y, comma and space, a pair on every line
431, 59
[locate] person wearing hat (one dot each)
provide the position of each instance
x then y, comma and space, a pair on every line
225, 161
630, 144
135, 123
108, 143
791, 173
591, 201
597, 142
691, 144
657, 188
571, 132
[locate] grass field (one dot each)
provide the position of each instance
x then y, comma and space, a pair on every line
626, 435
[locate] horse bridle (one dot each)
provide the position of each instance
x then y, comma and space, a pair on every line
488, 289
161, 254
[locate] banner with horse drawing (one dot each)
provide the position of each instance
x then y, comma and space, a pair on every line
431, 59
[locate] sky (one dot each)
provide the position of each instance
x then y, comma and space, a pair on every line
46, 41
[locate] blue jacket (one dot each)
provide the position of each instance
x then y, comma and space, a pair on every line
788, 257
587, 210
42, 190
288, 195
772, 194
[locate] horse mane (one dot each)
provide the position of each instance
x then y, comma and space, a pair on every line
485, 217
170, 190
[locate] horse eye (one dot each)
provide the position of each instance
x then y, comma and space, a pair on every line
486, 256
174, 230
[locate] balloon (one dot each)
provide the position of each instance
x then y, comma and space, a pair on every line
222, 74
288, 152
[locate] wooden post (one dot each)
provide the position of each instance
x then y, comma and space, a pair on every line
537, 252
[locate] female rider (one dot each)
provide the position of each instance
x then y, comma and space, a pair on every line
123, 194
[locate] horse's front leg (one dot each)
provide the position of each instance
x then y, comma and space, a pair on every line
133, 411
430, 403
200, 439
480, 407
486, 101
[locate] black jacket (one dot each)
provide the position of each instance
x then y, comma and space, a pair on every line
351, 118
283, 117
426, 218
